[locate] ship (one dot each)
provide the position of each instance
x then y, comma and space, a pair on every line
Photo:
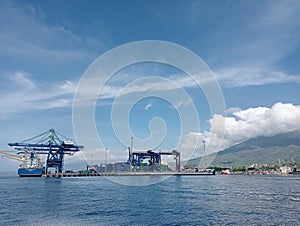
30, 172
31, 166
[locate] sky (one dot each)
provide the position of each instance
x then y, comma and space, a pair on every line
252, 48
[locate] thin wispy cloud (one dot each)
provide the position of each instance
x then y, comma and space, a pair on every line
22, 79
237, 77
23, 94
29, 94
139, 85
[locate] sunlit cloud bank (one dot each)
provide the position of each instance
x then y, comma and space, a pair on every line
245, 124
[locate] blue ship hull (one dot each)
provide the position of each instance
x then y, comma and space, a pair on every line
30, 172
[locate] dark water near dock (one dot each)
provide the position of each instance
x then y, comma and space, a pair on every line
204, 200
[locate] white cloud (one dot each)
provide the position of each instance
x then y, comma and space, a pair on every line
22, 94
56, 103
184, 81
191, 140
147, 107
151, 84
246, 124
66, 86
262, 121
90, 86
232, 110
243, 76
22, 91
22, 79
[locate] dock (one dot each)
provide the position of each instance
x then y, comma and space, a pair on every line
77, 174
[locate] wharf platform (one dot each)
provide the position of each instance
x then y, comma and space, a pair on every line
77, 174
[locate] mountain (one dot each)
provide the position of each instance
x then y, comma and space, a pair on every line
261, 150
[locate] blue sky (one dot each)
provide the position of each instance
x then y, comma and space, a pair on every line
252, 47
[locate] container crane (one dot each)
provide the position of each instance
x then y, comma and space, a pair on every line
50, 143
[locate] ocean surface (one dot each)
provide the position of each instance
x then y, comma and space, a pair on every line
186, 200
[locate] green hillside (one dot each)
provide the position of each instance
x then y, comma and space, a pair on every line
260, 150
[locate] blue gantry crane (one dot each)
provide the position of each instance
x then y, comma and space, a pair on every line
137, 158
50, 143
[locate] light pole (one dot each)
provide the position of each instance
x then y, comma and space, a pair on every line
204, 154
130, 154
105, 158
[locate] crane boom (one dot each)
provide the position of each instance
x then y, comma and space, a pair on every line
12, 156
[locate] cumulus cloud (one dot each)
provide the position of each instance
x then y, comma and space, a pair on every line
245, 124
261, 121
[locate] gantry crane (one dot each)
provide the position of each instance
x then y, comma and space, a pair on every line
50, 143
135, 158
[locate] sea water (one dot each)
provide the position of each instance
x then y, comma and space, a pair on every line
185, 200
